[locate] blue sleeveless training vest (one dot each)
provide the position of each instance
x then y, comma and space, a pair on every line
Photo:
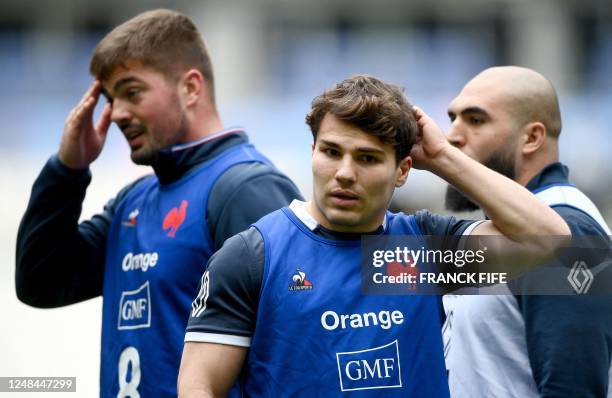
158, 245
318, 335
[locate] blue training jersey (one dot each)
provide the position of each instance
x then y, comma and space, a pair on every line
318, 335
158, 245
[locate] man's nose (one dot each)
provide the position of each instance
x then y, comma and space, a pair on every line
456, 135
119, 113
346, 172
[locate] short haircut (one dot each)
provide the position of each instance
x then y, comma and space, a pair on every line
164, 40
376, 107
538, 103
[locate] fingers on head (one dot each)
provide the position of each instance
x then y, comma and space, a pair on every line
87, 106
92, 92
105, 120
81, 110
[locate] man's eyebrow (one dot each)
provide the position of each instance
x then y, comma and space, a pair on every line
367, 149
329, 143
474, 110
122, 82
364, 149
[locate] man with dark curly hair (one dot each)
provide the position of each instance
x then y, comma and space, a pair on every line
282, 301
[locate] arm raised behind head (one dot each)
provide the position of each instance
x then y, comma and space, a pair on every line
524, 224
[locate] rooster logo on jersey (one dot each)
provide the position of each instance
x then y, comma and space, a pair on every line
175, 218
300, 282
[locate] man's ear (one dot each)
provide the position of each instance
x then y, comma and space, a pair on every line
192, 84
402, 171
534, 136
313, 147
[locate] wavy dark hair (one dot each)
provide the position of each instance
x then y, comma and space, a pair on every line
376, 107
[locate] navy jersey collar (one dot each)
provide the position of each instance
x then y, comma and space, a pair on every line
174, 162
298, 208
552, 174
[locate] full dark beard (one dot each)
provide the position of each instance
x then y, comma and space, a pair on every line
455, 200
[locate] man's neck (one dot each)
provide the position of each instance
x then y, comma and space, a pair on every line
202, 128
531, 166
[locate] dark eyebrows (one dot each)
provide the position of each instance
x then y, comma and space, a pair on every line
474, 110
329, 143
119, 84
122, 82
371, 150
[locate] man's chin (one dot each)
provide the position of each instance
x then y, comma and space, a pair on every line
354, 221
143, 157
342, 220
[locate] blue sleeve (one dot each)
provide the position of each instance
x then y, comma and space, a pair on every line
242, 195
569, 338
58, 260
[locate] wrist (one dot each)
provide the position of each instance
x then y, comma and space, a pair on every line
448, 162
64, 173
70, 163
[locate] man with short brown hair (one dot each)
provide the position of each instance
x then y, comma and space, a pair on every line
163, 39
145, 251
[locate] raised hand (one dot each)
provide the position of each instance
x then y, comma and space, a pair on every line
82, 142
430, 142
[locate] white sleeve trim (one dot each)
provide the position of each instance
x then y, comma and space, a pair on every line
471, 227
218, 338
468, 231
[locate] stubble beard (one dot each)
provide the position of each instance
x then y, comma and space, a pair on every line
148, 155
